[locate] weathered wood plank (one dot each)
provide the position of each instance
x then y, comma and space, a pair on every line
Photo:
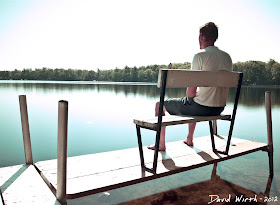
176, 120
108, 161
93, 173
22, 184
181, 78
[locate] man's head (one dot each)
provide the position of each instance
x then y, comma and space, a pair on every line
208, 34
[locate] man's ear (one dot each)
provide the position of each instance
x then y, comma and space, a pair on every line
202, 37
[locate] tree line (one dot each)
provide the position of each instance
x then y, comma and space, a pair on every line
255, 73
127, 74
259, 73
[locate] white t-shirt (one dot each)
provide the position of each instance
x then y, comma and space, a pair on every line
212, 59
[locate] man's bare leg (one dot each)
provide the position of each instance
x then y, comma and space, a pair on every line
162, 133
189, 140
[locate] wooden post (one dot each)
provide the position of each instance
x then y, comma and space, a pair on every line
25, 130
62, 151
269, 131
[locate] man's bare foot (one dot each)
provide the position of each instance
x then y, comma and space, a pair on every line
161, 148
188, 143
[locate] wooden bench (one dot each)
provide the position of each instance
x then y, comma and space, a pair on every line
177, 78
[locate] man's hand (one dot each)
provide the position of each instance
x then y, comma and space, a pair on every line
191, 92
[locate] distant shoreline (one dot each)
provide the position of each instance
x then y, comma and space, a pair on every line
77, 82
254, 73
103, 83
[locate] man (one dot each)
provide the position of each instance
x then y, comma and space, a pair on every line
200, 101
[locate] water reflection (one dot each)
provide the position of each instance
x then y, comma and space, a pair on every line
210, 191
255, 96
250, 96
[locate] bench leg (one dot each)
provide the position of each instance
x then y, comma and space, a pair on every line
212, 136
268, 186
215, 129
140, 146
269, 131
213, 140
156, 150
270, 158
143, 166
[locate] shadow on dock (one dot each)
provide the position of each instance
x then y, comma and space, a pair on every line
13, 178
213, 191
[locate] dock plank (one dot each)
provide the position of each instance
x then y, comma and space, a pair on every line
94, 173
22, 184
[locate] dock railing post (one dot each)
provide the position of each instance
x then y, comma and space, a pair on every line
269, 131
25, 129
62, 151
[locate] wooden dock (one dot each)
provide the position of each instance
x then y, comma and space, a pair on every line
55, 181
90, 174
93, 173
22, 184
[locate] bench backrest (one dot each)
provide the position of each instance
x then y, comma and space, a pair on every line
172, 78
180, 78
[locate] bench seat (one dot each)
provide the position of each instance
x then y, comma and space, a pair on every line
151, 123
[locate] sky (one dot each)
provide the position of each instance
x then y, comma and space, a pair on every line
105, 34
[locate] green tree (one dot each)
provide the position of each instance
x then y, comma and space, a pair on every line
148, 75
126, 74
16, 75
142, 76
5, 75
275, 70
91, 75
134, 74
269, 71
118, 75
98, 74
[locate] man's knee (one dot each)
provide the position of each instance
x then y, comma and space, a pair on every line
157, 104
157, 109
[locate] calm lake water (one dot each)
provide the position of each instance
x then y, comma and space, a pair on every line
101, 119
